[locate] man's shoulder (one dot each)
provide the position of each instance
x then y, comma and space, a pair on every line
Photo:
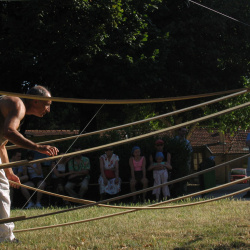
11, 103
85, 158
13, 99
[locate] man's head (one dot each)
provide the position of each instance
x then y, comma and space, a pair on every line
159, 157
136, 151
182, 132
76, 149
38, 107
39, 90
30, 155
159, 145
109, 151
16, 155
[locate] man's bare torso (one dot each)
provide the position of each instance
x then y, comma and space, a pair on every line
6, 103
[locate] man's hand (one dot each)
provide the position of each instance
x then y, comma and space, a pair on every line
13, 177
47, 150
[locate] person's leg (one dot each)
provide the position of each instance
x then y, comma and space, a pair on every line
41, 184
11, 194
25, 191
84, 187
157, 181
145, 185
132, 188
101, 188
69, 188
165, 189
24, 178
6, 229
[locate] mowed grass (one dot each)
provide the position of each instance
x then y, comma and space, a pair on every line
224, 224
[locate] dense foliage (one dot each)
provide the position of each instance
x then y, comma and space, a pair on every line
113, 49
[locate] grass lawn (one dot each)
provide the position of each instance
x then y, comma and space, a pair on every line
217, 225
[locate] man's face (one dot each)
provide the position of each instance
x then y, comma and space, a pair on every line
109, 152
183, 132
78, 157
159, 159
42, 107
137, 152
17, 156
159, 147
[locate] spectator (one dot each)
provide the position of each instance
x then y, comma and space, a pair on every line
160, 173
137, 165
17, 170
34, 171
109, 180
79, 168
159, 147
182, 132
15, 156
59, 175
183, 169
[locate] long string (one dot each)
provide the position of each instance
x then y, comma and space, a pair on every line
121, 101
130, 211
141, 121
62, 156
136, 138
141, 191
234, 19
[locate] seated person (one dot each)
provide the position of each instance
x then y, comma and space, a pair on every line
34, 171
18, 170
137, 165
109, 181
79, 168
59, 176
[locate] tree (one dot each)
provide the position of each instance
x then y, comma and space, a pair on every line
120, 50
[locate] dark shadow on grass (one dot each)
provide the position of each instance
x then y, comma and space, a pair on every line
187, 245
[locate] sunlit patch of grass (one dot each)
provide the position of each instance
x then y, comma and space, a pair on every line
223, 224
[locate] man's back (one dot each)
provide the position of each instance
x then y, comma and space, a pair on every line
2, 139
10, 105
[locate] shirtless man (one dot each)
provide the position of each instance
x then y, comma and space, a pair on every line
12, 111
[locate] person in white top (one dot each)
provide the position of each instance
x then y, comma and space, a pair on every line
109, 180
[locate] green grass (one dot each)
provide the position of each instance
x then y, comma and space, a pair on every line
223, 224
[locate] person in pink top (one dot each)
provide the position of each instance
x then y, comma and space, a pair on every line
137, 165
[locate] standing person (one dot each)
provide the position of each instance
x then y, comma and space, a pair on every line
109, 180
35, 173
79, 168
184, 168
159, 147
160, 173
12, 112
137, 165
182, 132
